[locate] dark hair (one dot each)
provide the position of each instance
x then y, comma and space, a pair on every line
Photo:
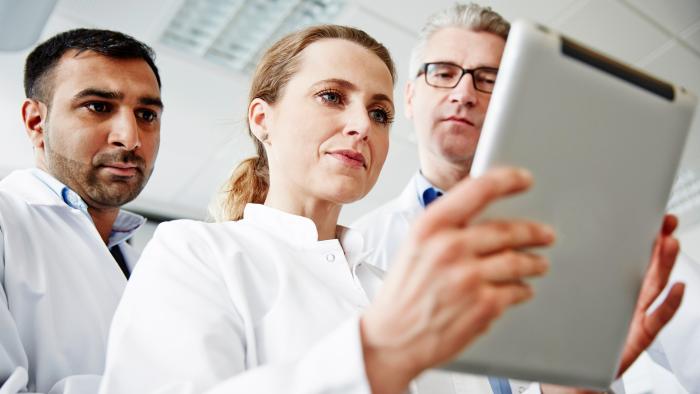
45, 57
250, 180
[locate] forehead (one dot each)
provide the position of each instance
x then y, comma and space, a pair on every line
342, 59
465, 47
75, 72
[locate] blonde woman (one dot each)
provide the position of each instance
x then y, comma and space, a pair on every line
276, 298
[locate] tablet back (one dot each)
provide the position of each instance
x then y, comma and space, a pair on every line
603, 142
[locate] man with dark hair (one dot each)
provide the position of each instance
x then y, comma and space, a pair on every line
92, 113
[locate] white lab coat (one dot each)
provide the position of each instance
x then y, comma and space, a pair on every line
678, 345
59, 289
253, 306
384, 231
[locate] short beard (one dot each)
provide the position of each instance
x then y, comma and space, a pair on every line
83, 178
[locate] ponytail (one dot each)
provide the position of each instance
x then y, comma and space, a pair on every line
248, 183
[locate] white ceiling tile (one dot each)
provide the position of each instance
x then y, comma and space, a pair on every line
674, 15
142, 19
613, 29
543, 11
409, 16
413, 15
692, 36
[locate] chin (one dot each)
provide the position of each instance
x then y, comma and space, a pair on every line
345, 193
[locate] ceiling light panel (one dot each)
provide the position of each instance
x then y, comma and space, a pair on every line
236, 32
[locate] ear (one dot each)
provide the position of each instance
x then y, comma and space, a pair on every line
408, 93
34, 114
259, 113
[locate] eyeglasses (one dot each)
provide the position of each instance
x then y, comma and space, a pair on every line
448, 75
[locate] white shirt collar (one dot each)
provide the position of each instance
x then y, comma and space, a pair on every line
301, 231
422, 184
124, 225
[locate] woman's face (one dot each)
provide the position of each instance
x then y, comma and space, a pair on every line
328, 134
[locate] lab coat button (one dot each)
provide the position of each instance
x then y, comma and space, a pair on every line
330, 257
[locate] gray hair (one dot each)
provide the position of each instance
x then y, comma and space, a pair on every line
469, 16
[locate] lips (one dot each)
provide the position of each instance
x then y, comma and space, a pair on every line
350, 158
459, 119
122, 169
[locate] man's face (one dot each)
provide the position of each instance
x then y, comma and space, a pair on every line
102, 130
448, 121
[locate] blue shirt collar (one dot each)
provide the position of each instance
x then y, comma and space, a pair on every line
124, 226
424, 189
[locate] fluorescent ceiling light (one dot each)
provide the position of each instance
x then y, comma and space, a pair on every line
236, 32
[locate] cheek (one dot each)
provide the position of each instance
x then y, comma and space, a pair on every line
380, 150
75, 146
151, 144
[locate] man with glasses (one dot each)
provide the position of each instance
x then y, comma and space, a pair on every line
453, 68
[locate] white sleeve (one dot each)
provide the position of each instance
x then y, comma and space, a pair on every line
678, 345
177, 330
13, 359
14, 377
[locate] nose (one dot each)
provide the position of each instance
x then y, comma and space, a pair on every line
125, 131
358, 123
465, 93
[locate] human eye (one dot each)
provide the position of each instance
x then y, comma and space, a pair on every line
147, 115
486, 76
443, 71
98, 106
381, 116
329, 96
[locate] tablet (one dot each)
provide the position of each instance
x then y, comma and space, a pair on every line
603, 142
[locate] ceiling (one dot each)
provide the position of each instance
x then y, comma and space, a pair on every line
203, 128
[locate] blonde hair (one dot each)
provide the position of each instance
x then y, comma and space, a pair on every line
250, 180
469, 16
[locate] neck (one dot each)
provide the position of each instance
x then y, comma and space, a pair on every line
104, 220
442, 173
323, 213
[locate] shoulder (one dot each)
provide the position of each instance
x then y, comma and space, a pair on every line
196, 237
392, 217
381, 214
203, 244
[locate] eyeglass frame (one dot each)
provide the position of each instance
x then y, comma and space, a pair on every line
424, 70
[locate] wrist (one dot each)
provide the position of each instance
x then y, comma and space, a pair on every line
386, 368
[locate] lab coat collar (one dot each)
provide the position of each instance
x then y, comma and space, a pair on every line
302, 232
38, 187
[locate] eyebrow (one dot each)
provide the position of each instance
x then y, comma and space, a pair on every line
350, 86
116, 95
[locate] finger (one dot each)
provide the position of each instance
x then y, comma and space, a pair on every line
659, 271
512, 266
669, 225
495, 236
654, 322
645, 329
512, 293
469, 197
